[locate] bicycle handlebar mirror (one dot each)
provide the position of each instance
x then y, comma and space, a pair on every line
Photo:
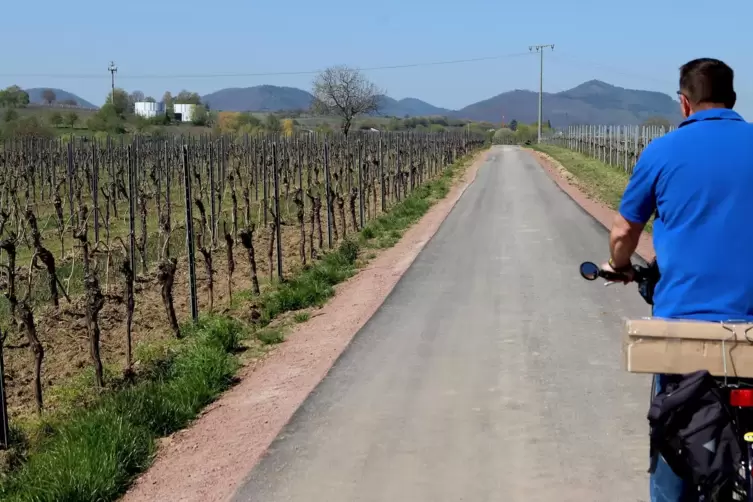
589, 271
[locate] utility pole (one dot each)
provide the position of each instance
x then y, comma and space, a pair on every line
540, 50
113, 70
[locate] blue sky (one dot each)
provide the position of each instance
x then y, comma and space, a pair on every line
639, 44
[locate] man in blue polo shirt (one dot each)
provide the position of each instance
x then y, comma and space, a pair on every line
698, 180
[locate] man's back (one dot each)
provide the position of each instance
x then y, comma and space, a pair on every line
702, 181
699, 182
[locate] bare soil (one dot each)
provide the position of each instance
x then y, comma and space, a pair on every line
207, 461
64, 335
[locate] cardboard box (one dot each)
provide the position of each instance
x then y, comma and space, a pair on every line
654, 345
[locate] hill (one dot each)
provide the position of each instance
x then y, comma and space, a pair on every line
260, 98
593, 102
410, 106
35, 96
270, 98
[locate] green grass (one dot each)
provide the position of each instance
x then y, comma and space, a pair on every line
315, 284
93, 448
600, 181
94, 454
301, 317
388, 228
270, 336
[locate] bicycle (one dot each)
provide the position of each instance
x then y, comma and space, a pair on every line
738, 392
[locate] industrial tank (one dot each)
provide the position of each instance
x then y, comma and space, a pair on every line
185, 112
147, 109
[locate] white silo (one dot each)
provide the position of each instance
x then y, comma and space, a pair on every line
147, 109
186, 112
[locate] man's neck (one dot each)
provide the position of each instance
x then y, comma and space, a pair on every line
706, 106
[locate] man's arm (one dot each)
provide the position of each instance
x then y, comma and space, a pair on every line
623, 241
637, 205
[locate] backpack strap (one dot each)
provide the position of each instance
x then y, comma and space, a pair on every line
653, 452
653, 459
655, 431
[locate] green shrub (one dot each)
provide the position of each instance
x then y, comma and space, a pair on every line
348, 251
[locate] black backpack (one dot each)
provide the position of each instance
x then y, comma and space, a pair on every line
692, 428
648, 282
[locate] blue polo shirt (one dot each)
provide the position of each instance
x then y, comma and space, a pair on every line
699, 181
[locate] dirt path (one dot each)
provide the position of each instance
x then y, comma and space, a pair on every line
208, 461
600, 211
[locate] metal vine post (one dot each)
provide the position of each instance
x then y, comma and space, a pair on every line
190, 242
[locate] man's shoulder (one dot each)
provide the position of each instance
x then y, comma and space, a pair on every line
669, 140
658, 149
692, 137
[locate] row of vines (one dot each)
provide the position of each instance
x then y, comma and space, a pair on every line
93, 232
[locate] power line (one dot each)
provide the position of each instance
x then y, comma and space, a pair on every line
122, 75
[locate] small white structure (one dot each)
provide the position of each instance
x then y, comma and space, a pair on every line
147, 109
184, 112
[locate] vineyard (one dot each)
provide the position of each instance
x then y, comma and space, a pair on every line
105, 245
618, 146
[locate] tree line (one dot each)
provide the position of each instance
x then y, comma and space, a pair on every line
515, 132
13, 97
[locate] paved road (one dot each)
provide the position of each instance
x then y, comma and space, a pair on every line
491, 373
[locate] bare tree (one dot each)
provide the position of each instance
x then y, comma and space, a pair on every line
345, 92
137, 96
49, 96
133, 98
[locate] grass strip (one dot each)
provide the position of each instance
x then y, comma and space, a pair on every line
598, 180
95, 452
94, 455
315, 284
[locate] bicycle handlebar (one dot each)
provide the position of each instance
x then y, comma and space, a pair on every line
645, 277
590, 272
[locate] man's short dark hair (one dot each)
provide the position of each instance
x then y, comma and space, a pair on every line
708, 80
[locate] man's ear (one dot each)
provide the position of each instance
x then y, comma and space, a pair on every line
685, 106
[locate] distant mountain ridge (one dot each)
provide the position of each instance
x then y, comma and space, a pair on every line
35, 96
260, 98
273, 98
410, 106
592, 102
